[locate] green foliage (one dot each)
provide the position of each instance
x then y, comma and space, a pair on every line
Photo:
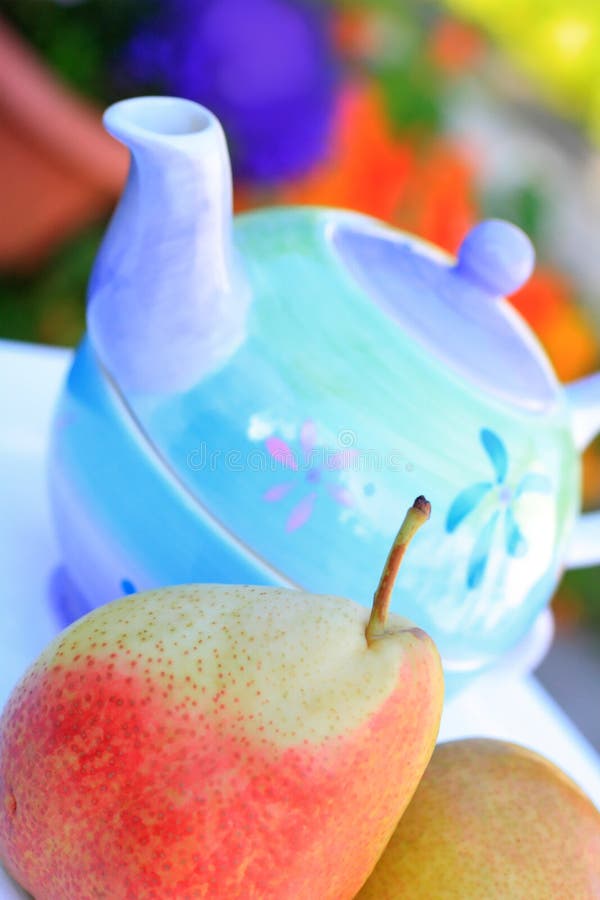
525, 205
417, 109
48, 306
410, 81
78, 40
583, 584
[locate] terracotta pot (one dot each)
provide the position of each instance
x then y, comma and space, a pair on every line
59, 169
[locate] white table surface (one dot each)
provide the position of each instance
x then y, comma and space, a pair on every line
511, 705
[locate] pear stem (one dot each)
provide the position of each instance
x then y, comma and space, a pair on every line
416, 516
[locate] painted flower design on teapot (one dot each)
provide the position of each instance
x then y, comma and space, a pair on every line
316, 470
506, 496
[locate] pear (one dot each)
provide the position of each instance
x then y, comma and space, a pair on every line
218, 741
491, 821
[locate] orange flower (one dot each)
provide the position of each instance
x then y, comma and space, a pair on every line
439, 203
353, 33
591, 477
425, 191
455, 47
367, 169
548, 305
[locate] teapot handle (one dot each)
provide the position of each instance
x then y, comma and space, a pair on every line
584, 399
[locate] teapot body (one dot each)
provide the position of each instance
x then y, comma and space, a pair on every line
293, 462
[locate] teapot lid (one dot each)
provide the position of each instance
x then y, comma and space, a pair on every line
456, 308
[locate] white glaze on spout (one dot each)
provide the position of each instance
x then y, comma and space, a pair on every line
167, 300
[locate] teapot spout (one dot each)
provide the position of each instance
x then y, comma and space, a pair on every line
167, 299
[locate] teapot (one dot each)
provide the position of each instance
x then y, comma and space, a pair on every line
259, 399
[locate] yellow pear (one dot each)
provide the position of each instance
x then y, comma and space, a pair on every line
209, 741
491, 821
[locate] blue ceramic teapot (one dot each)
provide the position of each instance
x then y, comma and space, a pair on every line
259, 400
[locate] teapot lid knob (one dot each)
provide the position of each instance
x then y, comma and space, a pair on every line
497, 256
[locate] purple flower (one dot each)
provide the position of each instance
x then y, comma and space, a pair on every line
265, 67
314, 474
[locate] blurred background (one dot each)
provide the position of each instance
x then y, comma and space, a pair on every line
428, 115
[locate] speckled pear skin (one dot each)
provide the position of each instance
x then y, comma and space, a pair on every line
491, 821
214, 741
